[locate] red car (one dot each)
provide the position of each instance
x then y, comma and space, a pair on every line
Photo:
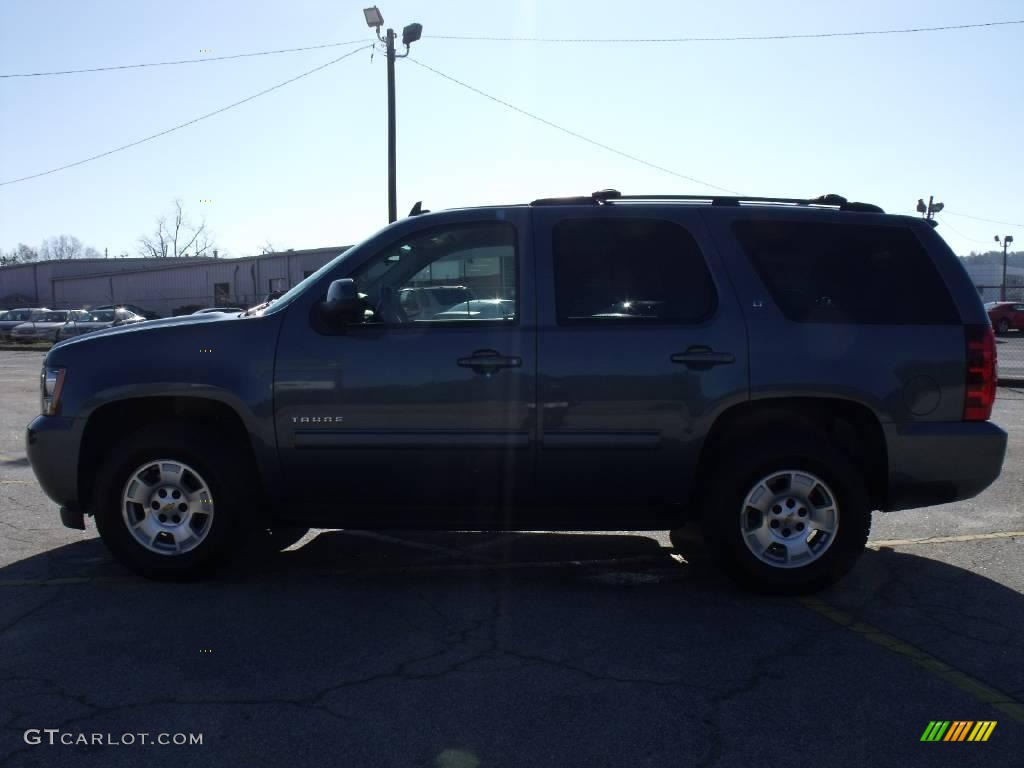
1006, 315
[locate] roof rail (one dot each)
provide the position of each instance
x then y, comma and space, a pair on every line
612, 196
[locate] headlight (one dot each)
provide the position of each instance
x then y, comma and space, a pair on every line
51, 381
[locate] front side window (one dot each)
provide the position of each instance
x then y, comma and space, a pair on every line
824, 272
630, 270
456, 274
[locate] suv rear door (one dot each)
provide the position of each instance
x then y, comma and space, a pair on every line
641, 345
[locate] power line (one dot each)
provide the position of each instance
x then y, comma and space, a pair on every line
190, 122
956, 231
574, 134
990, 221
183, 61
737, 38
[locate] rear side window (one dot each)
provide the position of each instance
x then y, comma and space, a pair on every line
819, 272
629, 270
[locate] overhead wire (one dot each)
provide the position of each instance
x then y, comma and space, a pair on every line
568, 131
990, 221
498, 38
728, 39
186, 124
182, 61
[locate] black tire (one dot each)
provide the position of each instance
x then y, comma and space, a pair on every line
1003, 327
224, 471
741, 465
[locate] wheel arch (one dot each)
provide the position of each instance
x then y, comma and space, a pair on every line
107, 422
851, 426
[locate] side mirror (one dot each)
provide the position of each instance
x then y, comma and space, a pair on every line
343, 305
119, 322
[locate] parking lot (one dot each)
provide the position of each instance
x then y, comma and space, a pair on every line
525, 649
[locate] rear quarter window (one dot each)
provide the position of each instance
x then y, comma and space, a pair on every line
823, 272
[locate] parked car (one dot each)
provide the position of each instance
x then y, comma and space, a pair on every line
96, 320
633, 308
425, 302
813, 361
229, 310
16, 317
46, 326
1006, 315
145, 314
480, 309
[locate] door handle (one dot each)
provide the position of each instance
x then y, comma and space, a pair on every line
703, 357
487, 361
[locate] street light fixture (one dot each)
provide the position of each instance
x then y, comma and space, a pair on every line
928, 211
410, 34
373, 17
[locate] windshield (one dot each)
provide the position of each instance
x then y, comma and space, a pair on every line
276, 305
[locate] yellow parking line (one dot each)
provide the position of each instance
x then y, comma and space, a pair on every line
972, 686
944, 539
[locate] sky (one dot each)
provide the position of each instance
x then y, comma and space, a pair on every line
884, 119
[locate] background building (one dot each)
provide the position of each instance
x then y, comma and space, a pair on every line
164, 286
988, 278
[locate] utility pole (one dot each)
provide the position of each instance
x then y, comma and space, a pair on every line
392, 180
928, 211
1007, 239
410, 35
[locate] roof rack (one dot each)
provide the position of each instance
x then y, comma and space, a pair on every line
611, 196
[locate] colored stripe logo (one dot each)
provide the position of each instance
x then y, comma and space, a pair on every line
958, 730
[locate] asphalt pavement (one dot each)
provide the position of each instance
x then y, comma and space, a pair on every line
523, 649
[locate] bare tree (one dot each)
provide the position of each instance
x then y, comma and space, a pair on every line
267, 247
23, 254
176, 236
62, 247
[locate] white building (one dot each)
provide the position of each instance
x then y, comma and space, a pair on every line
164, 286
988, 278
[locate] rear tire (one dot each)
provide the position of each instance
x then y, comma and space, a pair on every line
786, 514
169, 506
1003, 327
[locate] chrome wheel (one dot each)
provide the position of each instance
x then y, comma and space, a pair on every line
789, 519
167, 507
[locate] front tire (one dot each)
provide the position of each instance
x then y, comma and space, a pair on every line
1003, 327
786, 515
170, 507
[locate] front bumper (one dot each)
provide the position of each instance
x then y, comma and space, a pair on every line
936, 463
52, 444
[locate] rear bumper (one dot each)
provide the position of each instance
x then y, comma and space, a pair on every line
52, 445
936, 463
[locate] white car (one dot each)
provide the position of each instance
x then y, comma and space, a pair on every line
96, 320
424, 303
45, 325
16, 317
480, 309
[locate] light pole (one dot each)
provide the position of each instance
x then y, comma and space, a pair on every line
929, 211
1007, 239
410, 35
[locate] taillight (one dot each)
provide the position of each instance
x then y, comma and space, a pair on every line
980, 392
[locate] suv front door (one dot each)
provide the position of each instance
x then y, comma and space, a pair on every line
642, 344
416, 422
